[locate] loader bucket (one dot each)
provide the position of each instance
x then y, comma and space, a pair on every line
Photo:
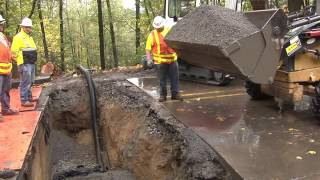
253, 54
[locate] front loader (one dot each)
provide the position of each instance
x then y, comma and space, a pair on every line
280, 58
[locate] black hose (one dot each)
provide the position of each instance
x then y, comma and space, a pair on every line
95, 121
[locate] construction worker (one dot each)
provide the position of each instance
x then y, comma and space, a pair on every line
5, 71
25, 52
165, 58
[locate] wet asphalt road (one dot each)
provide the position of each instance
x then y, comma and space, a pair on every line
252, 138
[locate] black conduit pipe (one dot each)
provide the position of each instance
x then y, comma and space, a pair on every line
95, 121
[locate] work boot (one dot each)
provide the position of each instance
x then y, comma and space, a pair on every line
176, 97
27, 104
162, 98
9, 112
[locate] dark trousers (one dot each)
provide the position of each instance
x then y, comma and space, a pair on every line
171, 72
5, 86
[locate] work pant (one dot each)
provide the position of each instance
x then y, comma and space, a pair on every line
27, 76
169, 71
5, 86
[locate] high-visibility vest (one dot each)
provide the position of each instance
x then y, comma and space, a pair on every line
22, 42
5, 55
161, 52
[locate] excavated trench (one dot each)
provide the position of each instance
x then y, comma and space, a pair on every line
141, 139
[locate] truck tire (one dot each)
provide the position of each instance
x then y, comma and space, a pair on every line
254, 91
316, 101
223, 79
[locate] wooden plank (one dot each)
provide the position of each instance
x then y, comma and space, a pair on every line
287, 94
285, 84
307, 75
307, 60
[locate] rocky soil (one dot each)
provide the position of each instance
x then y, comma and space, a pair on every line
143, 140
212, 25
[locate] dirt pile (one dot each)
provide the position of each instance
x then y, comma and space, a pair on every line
212, 25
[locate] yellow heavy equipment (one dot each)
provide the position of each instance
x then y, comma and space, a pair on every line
280, 58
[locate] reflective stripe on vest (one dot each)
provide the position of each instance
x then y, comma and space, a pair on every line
5, 68
29, 52
162, 54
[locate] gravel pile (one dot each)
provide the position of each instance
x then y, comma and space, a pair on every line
212, 25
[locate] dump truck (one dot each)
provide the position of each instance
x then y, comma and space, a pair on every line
277, 54
175, 10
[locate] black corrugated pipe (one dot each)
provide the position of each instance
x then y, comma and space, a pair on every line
95, 121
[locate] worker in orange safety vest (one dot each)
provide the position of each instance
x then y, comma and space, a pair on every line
5, 71
164, 58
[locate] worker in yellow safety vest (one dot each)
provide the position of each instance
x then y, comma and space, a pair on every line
5, 71
164, 58
25, 53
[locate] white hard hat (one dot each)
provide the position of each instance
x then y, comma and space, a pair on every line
2, 20
26, 22
158, 22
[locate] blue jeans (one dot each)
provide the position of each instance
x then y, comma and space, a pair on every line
169, 71
27, 76
5, 86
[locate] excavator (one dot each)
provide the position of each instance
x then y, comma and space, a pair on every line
175, 10
279, 58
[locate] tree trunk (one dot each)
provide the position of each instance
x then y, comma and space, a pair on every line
307, 3
276, 3
61, 35
258, 4
79, 40
44, 40
34, 2
7, 8
86, 45
147, 13
86, 41
73, 50
20, 4
151, 9
295, 5
137, 26
112, 34
101, 36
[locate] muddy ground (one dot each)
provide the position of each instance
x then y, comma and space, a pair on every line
141, 138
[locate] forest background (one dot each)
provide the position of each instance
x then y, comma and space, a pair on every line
93, 33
